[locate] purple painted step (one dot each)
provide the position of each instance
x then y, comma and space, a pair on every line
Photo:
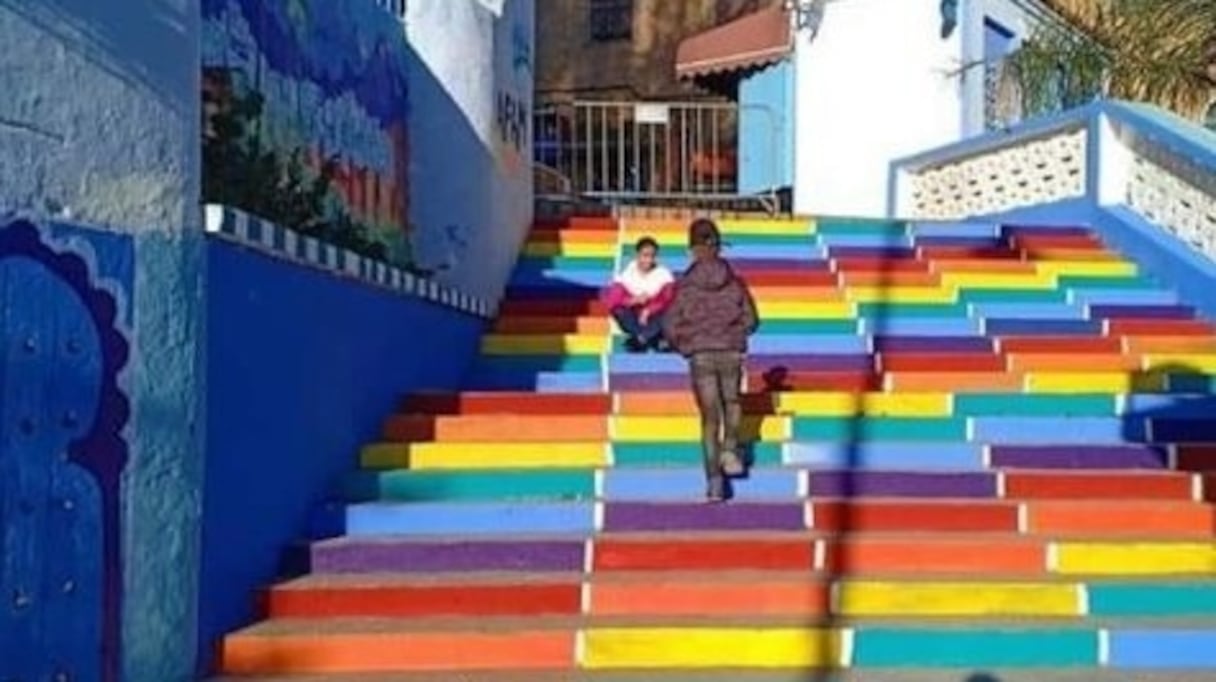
354, 556
812, 362
902, 484
702, 516
648, 382
1143, 312
1014, 229
872, 251
1080, 457
933, 344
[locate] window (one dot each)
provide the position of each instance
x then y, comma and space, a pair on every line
611, 19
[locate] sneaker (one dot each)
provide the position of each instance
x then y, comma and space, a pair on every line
731, 464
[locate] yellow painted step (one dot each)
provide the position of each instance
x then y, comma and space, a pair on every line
663, 237
1114, 268
647, 429
435, 456
898, 294
545, 344
795, 226
1193, 362
810, 310
873, 404
998, 280
1133, 558
544, 249
1093, 382
959, 599
623, 648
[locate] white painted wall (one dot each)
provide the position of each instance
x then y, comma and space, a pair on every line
874, 85
471, 88
99, 121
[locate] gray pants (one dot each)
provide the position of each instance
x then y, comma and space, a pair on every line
716, 380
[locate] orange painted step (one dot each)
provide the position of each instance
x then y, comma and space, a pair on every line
607, 223
1106, 519
1091, 254
1073, 362
555, 307
285, 653
1197, 458
1002, 555
888, 265
404, 601
892, 279
1201, 343
796, 278
941, 362
783, 380
673, 553
1004, 267
572, 237
1138, 327
518, 324
751, 597
870, 516
959, 382
510, 403
682, 403
496, 428
1061, 344
1097, 486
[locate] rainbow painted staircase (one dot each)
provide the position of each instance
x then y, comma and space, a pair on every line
976, 448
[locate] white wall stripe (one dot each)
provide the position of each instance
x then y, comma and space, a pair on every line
1103, 648
242, 228
588, 555
847, 639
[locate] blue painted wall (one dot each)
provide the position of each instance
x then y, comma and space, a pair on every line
303, 367
766, 129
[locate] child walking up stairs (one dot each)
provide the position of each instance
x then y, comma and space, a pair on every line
974, 448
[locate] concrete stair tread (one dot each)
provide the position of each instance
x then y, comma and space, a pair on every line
322, 627
756, 675
388, 580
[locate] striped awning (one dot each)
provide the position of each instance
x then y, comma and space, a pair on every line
752, 41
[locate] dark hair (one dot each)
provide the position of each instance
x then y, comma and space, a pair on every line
704, 232
645, 242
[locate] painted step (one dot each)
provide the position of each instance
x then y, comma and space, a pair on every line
1120, 518
441, 456
497, 428
467, 403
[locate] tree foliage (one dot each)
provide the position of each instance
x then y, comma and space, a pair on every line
1157, 51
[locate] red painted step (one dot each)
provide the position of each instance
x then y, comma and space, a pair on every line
790, 277
941, 362
1061, 344
862, 264
971, 516
1197, 458
1142, 327
668, 554
371, 600
1097, 486
555, 307
509, 403
814, 381
1047, 240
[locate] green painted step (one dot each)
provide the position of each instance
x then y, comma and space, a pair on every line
1107, 282
1152, 599
541, 363
879, 428
831, 226
987, 648
821, 327
434, 486
566, 263
1031, 405
906, 310
638, 455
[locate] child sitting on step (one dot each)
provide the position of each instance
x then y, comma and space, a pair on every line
639, 297
709, 322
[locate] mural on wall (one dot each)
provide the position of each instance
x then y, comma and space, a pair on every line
333, 78
62, 415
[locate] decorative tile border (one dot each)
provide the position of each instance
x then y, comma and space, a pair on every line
242, 228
